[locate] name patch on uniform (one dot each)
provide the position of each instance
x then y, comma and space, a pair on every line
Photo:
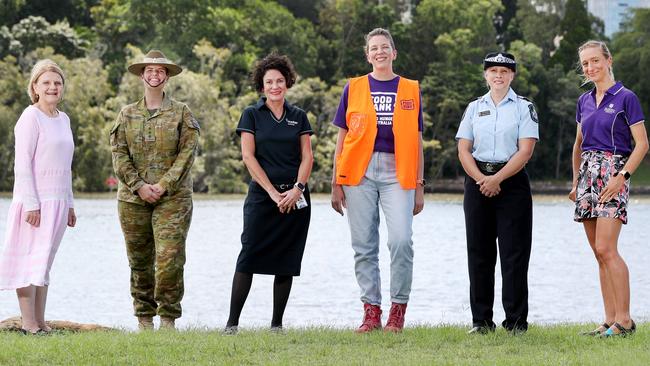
408, 104
533, 113
483, 113
291, 123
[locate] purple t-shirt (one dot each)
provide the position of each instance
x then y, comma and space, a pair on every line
384, 95
607, 127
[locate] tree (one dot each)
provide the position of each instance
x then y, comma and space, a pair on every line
631, 48
539, 24
303, 9
502, 22
75, 12
35, 32
576, 28
9, 10
461, 34
343, 25
13, 99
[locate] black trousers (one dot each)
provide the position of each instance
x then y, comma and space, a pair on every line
507, 217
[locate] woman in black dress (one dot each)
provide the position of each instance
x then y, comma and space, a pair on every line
276, 148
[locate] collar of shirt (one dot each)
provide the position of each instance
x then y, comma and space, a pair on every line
511, 95
613, 90
262, 104
166, 104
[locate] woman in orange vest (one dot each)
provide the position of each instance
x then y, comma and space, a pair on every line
379, 160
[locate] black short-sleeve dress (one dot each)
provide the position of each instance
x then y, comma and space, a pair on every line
274, 242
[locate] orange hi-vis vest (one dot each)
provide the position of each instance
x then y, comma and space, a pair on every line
361, 120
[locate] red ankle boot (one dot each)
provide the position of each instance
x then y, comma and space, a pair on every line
371, 318
395, 322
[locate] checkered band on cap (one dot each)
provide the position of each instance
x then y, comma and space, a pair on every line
500, 59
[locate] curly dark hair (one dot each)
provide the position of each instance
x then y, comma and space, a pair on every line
273, 61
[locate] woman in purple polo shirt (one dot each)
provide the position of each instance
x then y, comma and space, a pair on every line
609, 117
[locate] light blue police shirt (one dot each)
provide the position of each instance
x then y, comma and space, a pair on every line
496, 130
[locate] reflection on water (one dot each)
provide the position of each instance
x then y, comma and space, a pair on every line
90, 277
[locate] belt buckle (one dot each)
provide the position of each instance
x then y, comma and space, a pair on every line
490, 168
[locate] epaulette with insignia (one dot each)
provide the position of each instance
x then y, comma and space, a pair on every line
524, 98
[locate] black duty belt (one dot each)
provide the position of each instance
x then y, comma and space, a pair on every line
489, 168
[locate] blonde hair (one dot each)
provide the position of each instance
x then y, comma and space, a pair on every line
603, 49
379, 32
40, 68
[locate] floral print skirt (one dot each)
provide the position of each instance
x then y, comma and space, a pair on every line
595, 170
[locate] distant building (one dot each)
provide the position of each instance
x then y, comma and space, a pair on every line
614, 12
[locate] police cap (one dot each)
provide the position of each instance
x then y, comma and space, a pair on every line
500, 59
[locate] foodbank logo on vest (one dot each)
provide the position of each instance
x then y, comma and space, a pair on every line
383, 101
407, 105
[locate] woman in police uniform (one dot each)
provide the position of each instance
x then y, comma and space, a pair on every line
496, 139
276, 148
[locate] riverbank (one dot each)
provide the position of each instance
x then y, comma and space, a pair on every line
445, 345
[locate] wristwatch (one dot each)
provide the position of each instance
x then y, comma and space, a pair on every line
300, 186
422, 182
625, 173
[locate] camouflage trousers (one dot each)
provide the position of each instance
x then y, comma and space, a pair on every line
155, 245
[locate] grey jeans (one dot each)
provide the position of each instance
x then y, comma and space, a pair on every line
380, 187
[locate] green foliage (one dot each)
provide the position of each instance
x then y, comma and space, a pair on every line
539, 24
576, 28
9, 10
35, 32
13, 99
631, 48
343, 25
441, 43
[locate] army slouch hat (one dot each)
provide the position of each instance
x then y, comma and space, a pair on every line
155, 57
500, 59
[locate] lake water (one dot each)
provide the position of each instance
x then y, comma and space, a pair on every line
90, 276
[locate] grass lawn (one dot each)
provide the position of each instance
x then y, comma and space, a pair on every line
446, 345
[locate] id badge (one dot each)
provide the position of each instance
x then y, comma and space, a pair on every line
302, 202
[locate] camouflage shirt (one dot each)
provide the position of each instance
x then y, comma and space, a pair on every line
152, 149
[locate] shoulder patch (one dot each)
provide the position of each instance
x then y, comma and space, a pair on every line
194, 123
533, 113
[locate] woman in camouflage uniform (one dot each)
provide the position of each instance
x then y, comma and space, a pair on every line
153, 143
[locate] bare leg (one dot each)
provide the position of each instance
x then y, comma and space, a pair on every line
605, 282
39, 308
26, 302
607, 231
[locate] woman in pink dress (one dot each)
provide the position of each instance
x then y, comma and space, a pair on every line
42, 200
